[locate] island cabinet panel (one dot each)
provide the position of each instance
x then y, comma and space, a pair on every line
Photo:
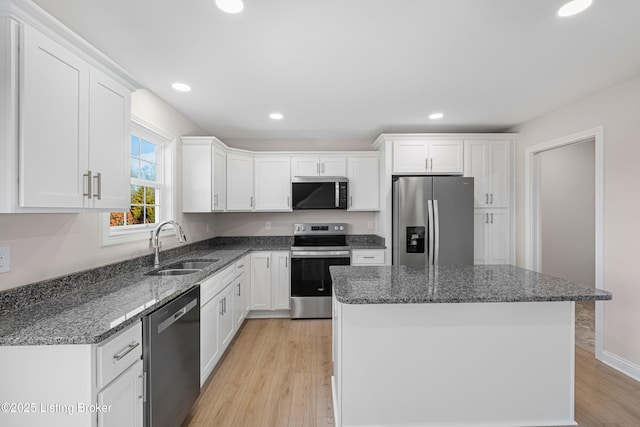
480, 364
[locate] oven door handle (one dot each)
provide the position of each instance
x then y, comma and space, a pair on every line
321, 254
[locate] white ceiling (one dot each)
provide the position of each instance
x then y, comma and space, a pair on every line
352, 69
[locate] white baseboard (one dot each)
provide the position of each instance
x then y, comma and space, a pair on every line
618, 363
269, 314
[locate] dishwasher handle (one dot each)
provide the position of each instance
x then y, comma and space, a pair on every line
173, 318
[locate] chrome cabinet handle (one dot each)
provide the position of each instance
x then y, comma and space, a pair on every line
491, 198
267, 262
215, 199
323, 167
221, 307
251, 201
368, 257
318, 167
486, 220
99, 177
492, 218
126, 351
143, 377
239, 291
350, 201
286, 262
431, 164
426, 163
288, 201
89, 176
486, 198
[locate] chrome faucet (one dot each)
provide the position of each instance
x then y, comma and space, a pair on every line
157, 245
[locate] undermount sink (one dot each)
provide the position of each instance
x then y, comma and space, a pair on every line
180, 268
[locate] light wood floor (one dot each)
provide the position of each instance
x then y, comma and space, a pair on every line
277, 373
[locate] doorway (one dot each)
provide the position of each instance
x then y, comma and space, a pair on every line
564, 199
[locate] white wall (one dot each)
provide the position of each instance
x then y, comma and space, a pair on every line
617, 109
44, 246
567, 211
254, 223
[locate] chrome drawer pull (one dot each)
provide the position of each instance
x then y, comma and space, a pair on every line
126, 351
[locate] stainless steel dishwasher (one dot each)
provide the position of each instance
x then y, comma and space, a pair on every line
171, 355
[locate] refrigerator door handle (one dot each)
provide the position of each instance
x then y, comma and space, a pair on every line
431, 232
395, 254
436, 222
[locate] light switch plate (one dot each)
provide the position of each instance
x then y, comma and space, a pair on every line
5, 259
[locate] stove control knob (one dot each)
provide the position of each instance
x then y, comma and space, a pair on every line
335, 228
342, 228
304, 228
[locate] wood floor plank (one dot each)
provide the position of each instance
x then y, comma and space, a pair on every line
277, 372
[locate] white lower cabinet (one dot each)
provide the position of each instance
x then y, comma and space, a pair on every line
367, 257
68, 384
270, 280
223, 300
492, 236
124, 398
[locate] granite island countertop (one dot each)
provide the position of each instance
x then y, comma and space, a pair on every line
454, 284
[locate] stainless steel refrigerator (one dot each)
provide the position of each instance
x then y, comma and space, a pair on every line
432, 220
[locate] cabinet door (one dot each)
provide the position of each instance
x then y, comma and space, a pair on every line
261, 281
410, 156
109, 136
446, 156
219, 180
499, 174
333, 166
209, 342
476, 165
305, 166
124, 397
196, 177
54, 124
280, 281
239, 182
364, 183
226, 320
498, 248
246, 281
272, 184
480, 222
238, 301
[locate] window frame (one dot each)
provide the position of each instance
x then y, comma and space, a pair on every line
166, 143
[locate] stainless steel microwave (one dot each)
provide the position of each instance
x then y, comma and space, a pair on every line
319, 193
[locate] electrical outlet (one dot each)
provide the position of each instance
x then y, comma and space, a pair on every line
5, 259
370, 225
268, 225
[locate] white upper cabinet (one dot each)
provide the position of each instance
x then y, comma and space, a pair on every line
437, 156
204, 175
318, 166
239, 182
54, 157
219, 179
364, 183
109, 133
74, 125
272, 184
489, 163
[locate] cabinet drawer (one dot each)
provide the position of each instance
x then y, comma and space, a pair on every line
367, 256
211, 286
118, 353
241, 266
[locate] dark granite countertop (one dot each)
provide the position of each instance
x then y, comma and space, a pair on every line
92, 305
96, 309
454, 284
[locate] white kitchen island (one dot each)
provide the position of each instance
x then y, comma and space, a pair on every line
454, 346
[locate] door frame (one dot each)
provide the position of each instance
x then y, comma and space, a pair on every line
532, 215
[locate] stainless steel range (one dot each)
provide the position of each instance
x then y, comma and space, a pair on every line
315, 248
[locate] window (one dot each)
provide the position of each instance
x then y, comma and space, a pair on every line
151, 171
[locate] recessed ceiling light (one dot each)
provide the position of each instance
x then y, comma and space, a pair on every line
574, 7
436, 116
230, 6
181, 87
276, 116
